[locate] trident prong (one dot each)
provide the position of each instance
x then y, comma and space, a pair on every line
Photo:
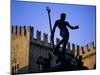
48, 9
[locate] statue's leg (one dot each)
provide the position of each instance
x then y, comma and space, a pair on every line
64, 46
65, 38
58, 45
56, 51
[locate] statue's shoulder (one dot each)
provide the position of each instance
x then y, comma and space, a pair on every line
58, 21
67, 22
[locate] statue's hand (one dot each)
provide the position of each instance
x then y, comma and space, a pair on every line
76, 27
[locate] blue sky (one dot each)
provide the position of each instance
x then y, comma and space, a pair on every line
35, 14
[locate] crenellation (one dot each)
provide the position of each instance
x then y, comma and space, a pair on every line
14, 29
77, 50
24, 30
80, 51
45, 38
92, 46
83, 52
29, 31
73, 46
38, 34
73, 49
89, 50
18, 30
32, 32
86, 48
50, 40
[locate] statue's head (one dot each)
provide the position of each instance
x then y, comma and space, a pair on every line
63, 16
